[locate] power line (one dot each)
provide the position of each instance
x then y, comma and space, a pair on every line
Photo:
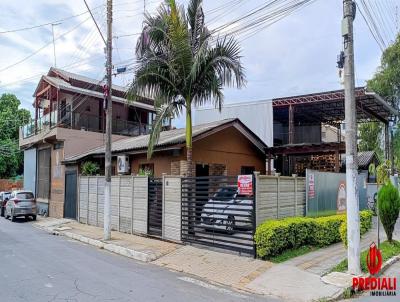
48, 23
95, 22
43, 47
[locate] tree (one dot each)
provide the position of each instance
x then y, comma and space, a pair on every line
389, 207
386, 82
181, 66
11, 118
90, 168
369, 135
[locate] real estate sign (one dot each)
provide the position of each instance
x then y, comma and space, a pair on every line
245, 184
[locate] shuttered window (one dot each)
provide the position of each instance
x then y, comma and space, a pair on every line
43, 186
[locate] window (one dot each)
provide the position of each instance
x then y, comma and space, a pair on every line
225, 193
58, 145
247, 170
146, 169
25, 195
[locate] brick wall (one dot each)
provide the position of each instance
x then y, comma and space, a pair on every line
218, 170
8, 185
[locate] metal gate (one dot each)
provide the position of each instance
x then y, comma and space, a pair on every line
70, 194
155, 207
214, 214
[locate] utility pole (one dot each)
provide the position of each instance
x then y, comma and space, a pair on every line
353, 219
54, 43
108, 105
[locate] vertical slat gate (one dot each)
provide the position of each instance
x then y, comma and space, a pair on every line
214, 214
155, 206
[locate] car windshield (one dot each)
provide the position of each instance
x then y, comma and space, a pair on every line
225, 193
24, 195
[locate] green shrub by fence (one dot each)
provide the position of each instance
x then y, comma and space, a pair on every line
273, 237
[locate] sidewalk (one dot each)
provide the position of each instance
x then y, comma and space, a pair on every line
323, 260
215, 267
298, 279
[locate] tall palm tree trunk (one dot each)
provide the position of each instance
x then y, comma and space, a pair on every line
189, 149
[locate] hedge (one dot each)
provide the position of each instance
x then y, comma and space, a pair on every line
272, 237
365, 225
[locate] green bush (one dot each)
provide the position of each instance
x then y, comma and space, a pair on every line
365, 225
90, 168
327, 231
275, 236
388, 208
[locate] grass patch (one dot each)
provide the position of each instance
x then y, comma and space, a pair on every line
387, 249
289, 254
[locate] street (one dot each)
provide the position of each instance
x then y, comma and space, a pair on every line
37, 266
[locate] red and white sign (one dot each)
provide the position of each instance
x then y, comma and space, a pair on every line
245, 184
311, 185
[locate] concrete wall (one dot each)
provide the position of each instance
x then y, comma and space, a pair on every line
128, 202
258, 116
279, 197
171, 225
57, 184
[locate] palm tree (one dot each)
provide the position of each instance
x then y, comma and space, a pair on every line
181, 66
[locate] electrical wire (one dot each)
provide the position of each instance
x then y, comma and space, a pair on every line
43, 47
48, 23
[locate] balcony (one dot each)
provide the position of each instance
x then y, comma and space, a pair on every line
84, 122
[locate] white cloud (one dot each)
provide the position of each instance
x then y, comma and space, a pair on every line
295, 55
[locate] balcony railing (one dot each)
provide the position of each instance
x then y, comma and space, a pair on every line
33, 128
85, 122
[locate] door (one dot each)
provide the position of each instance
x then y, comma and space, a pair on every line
70, 195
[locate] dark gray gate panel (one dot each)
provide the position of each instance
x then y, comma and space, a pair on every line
154, 223
214, 214
70, 200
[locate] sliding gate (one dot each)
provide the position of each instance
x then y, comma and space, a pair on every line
214, 214
155, 207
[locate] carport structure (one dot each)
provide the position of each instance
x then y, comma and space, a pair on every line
300, 118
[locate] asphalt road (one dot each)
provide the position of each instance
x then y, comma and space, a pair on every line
37, 266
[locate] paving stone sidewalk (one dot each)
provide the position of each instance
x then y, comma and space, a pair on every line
323, 260
298, 279
220, 268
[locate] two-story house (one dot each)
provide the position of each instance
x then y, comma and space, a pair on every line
70, 119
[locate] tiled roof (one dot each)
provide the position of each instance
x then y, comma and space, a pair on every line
78, 77
61, 84
365, 158
167, 138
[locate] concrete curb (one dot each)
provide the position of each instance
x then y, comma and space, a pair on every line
120, 250
385, 266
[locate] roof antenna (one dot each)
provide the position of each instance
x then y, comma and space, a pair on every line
54, 43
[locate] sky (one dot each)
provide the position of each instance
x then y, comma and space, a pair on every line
295, 55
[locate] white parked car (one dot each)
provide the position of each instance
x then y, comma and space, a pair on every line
228, 211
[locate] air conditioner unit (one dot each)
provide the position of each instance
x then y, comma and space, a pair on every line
123, 164
44, 103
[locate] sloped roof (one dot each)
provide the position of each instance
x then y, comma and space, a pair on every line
171, 138
62, 84
70, 75
365, 158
